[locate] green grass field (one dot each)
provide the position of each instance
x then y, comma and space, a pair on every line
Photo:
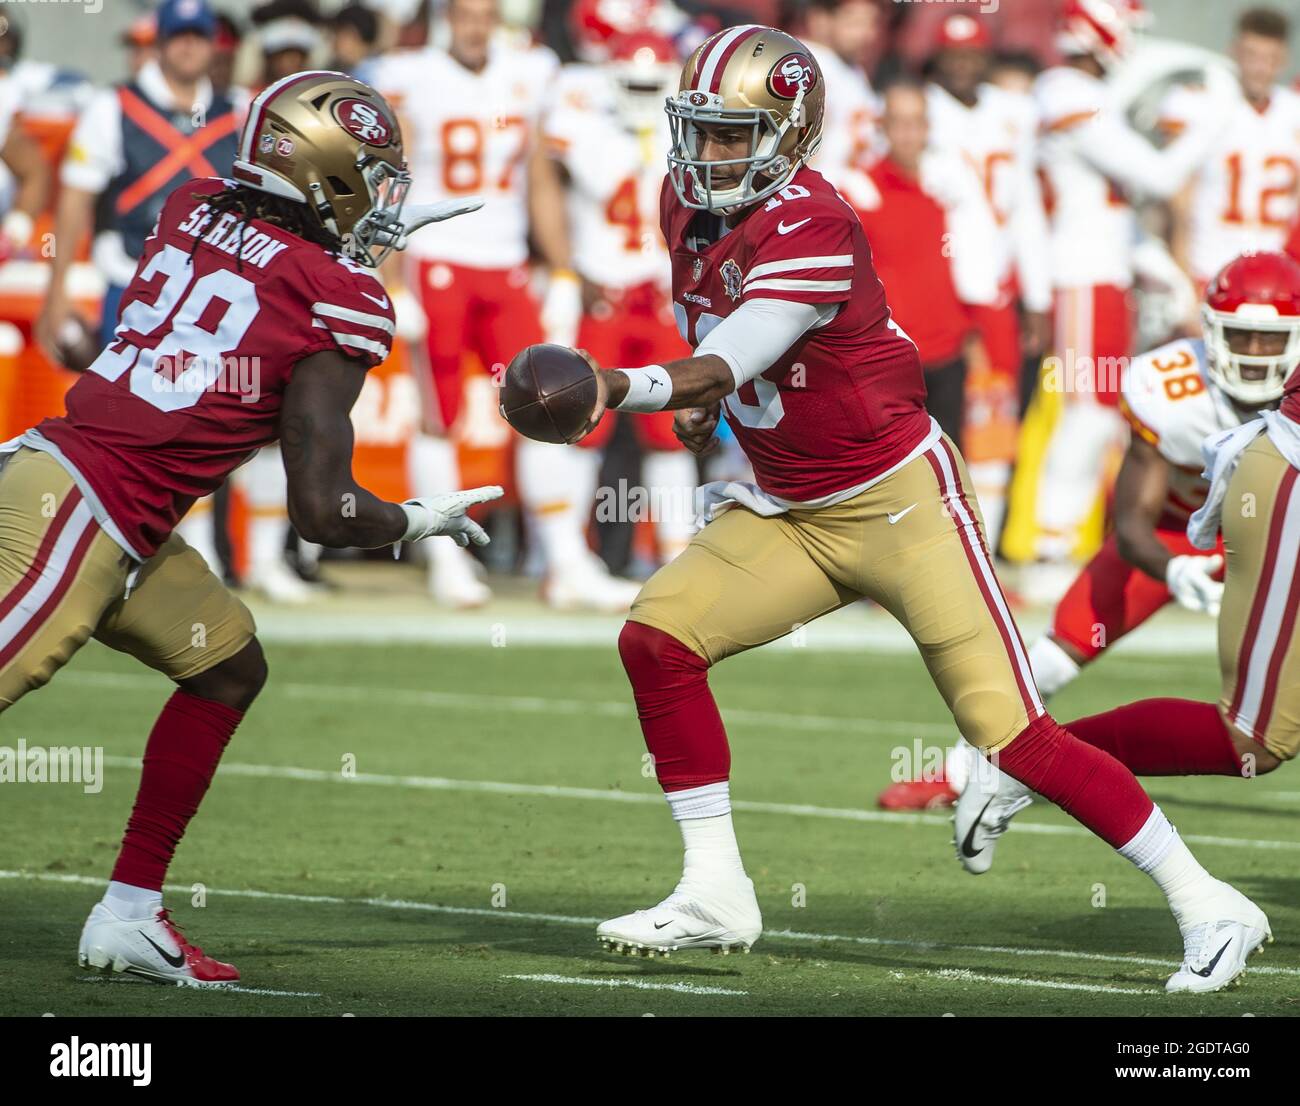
499, 811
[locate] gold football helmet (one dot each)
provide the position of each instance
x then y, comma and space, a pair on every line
333, 143
754, 77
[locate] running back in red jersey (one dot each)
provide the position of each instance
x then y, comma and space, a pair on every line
212, 325
847, 402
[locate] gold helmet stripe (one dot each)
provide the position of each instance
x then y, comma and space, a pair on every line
715, 54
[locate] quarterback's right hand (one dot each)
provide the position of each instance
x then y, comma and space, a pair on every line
1190, 580
695, 427
445, 514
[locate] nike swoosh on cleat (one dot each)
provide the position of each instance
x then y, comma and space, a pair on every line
781, 228
970, 833
660, 925
1204, 972
176, 961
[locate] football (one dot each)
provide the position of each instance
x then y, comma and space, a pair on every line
549, 393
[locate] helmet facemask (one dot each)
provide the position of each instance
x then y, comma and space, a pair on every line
381, 226
765, 169
1250, 379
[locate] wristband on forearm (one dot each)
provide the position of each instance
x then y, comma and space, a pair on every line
648, 389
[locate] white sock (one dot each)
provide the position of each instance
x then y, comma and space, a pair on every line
557, 487
131, 903
1052, 666
670, 476
990, 479
266, 488
1158, 850
1072, 472
432, 468
198, 530
704, 816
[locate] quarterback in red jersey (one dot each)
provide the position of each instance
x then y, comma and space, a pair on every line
857, 494
253, 316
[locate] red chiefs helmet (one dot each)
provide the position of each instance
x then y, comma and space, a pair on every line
644, 68
1102, 28
596, 23
1257, 295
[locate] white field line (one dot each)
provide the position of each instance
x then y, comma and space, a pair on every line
575, 920
556, 791
234, 987
638, 984
960, 975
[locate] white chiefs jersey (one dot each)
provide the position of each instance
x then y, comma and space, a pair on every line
1092, 228
851, 136
1170, 400
470, 134
996, 137
1244, 196
615, 175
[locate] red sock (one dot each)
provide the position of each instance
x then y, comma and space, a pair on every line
682, 727
1163, 737
179, 759
1085, 782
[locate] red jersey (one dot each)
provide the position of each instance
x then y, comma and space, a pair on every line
908, 233
208, 337
846, 403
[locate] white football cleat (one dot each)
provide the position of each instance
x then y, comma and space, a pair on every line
588, 585
1215, 946
279, 583
151, 948
454, 580
690, 918
982, 814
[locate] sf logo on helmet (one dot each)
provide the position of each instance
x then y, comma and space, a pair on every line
362, 120
792, 75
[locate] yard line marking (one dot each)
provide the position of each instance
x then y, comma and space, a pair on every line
638, 984
235, 987
556, 791
963, 976
573, 920
534, 704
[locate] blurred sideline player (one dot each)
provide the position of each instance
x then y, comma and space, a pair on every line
254, 316
607, 131
1244, 196
839, 32
857, 493
1174, 398
933, 244
26, 176
1252, 349
472, 116
1092, 161
995, 131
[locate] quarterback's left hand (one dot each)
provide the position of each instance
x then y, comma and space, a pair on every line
445, 514
562, 307
1190, 579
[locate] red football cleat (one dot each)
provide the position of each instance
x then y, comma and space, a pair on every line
917, 795
152, 948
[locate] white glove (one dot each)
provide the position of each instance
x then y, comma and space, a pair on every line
1189, 580
562, 308
421, 215
409, 318
445, 514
